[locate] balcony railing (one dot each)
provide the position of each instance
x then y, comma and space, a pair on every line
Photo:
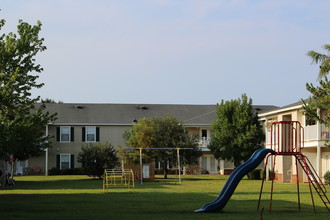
204, 141
310, 134
325, 133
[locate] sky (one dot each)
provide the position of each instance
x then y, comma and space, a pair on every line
175, 51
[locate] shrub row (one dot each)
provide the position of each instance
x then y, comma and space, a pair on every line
74, 171
327, 177
170, 171
257, 174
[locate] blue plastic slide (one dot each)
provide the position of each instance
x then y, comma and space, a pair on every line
232, 182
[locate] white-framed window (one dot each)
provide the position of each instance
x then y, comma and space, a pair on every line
65, 161
90, 134
65, 133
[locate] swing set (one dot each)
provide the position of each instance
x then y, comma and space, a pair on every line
178, 159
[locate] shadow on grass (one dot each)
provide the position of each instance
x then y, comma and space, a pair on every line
163, 201
156, 205
59, 184
77, 184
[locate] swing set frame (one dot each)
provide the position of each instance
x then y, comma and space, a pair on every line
165, 148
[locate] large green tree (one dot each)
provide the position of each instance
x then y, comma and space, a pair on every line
320, 95
237, 133
22, 123
163, 132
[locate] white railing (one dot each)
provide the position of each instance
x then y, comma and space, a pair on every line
203, 142
310, 134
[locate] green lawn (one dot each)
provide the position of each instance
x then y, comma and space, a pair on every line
80, 197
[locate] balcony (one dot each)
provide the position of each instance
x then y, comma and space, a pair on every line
203, 142
325, 133
310, 134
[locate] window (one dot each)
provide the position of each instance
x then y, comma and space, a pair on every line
90, 134
204, 133
204, 163
65, 161
65, 134
157, 164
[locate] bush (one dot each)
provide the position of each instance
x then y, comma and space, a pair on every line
254, 174
262, 173
160, 171
95, 157
75, 171
327, 177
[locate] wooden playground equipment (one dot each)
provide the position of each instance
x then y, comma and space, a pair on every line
287, 139
118, 178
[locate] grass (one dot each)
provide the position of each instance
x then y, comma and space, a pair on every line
80, 197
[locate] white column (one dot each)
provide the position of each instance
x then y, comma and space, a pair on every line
222, 167
318, 147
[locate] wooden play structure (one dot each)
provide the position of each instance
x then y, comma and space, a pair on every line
118, 178
287, 139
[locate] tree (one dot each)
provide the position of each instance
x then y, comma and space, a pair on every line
320, 99
97, 157
162, 132
237, 133
320, 95
22, 123
322, 59
48, 100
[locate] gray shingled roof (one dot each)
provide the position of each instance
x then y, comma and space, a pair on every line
124, 114
284, 108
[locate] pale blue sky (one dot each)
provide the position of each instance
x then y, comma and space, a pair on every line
175, 51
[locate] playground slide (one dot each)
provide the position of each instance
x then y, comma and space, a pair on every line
232, 182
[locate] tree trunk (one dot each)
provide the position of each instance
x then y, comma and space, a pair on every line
237, 163
3, 175
164, 165
165, 173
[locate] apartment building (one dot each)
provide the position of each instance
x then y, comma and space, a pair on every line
78, 124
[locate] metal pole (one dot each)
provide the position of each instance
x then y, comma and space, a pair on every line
297, 182
46, 162
46, 154
263, 180
179, 167
141, 166
272, 186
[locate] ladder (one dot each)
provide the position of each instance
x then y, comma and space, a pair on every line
313, 179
